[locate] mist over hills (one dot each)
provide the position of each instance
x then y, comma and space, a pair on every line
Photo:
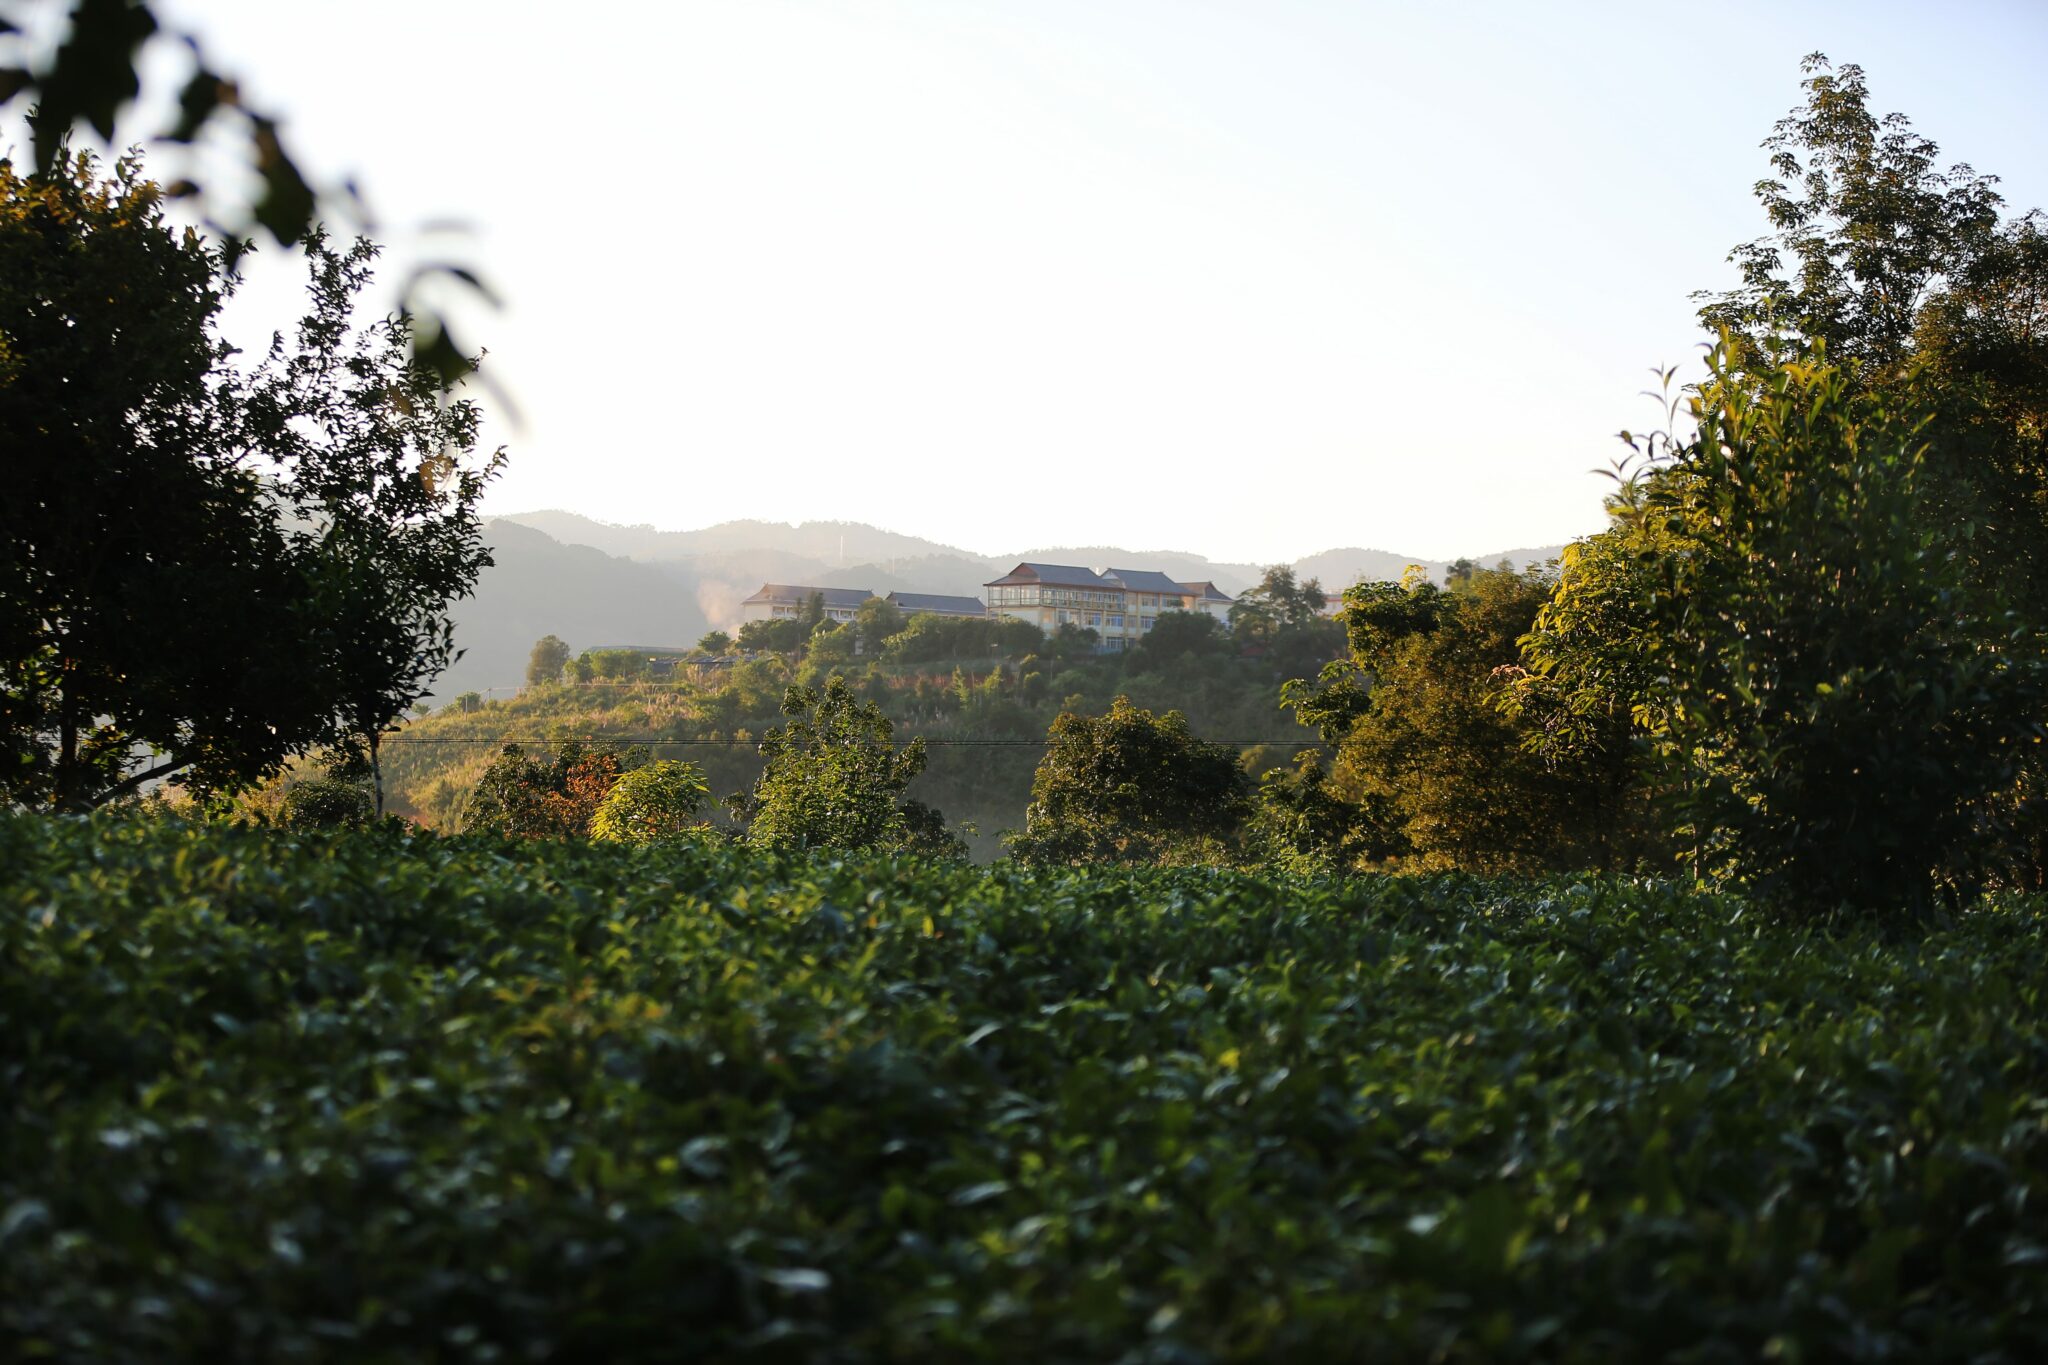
595, 583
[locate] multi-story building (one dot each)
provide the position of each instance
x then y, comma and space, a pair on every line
778, 600
1120, 605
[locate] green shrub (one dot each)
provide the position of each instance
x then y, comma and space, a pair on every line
1845, 691
382, 1096
325, 803
648, 805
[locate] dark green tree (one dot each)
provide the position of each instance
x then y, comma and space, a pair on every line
213, 569
1866, 228
1179, 635
1131, 787
877, 620
553, 797
714, 643
783, 635
1844, 691
374, 455
1438, 773
834, 777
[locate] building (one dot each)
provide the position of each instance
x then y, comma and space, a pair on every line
1120, 605
776, 601
936, 604
1207, 597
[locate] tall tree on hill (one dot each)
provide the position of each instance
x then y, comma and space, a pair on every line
550, 656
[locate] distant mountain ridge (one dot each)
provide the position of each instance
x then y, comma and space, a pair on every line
838, 546
595, 583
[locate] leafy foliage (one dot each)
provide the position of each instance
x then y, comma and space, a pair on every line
1440, 773
1844, 694
546, 798
1865, 228
328, 801
380, 1096
550, 656
209, 571
833, 776
1131, 787
648, 805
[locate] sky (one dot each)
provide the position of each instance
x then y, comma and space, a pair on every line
1252, 280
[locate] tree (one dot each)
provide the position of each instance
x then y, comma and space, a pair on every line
1299, 823
929, 637
1282, 619
714, 643
877, 619
613, 665
833, 777
1131, 787
1904, 277
811, 616
209, 571
1070, 642
1848, 694
1866, 229
653, 804
544, 666
1179, 635
783, 635
337, 797
1439, 774
371, 451
546, 798
121, 503
831, 645
1277, 603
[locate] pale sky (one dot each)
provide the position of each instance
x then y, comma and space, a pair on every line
1252, 279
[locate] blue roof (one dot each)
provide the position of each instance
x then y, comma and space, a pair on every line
1143, 580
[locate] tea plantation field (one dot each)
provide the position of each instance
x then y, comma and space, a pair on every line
390, 1098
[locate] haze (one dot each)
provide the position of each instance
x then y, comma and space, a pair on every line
1251, 280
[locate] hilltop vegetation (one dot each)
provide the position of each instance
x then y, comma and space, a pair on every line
984, 722
347, 1096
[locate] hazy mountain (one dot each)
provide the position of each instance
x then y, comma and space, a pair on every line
538, 586
832, 543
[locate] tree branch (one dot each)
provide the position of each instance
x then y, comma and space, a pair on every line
129, 784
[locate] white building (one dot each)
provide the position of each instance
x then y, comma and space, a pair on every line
777, 601
1120, 605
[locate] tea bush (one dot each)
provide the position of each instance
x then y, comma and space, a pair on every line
378, 1096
